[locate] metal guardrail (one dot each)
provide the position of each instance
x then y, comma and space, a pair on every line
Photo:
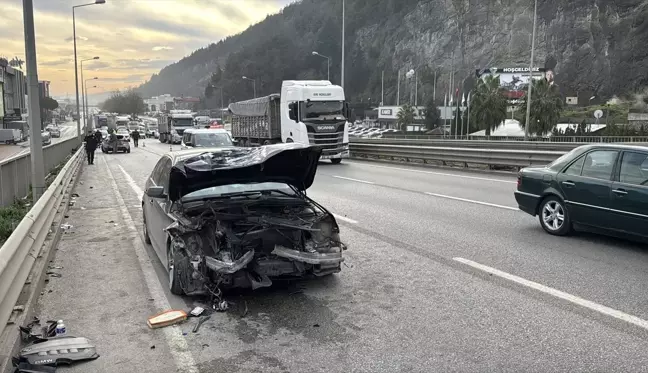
550, 139
476, 144
15, 172
19, 252
490, 157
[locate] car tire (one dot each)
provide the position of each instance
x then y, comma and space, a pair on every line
336, 160
554, 217
147, 238
174, 276
127, 150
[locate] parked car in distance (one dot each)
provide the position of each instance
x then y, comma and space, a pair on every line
598, 188
238, 217
206, 138
123, 144
47, 139
54, 130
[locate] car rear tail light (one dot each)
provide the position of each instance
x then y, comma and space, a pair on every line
519, 181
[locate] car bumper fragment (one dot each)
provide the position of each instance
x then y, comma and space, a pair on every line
315, 258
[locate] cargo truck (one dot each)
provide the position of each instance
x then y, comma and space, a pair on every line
173, 124
307, 111
100, 120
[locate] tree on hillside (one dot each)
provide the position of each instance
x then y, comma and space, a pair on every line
546, 106
405, 116
488, 104
48, 103
432, 115
128, 102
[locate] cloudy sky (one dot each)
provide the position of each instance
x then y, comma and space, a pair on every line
133, 38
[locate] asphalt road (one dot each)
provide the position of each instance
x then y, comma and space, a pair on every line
68, 130
443, 273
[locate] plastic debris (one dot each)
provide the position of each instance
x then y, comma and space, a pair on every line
221, 306
66, 226
200, 322
197, 311
166, 318
75, 195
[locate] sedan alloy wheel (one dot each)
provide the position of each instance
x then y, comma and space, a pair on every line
554, 217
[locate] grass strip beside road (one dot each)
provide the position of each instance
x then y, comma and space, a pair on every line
13, 214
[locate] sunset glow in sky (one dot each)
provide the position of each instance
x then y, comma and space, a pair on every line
133, 38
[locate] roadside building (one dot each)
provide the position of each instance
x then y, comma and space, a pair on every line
12, 91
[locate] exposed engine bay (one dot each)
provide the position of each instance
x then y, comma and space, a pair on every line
245, 243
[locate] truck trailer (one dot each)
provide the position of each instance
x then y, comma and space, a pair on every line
173, 124
307, 111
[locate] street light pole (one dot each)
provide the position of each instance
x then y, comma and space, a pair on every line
85, 89
76, 67
84, 101
328, 65
343, 15
528, 108
35, 143
253, 84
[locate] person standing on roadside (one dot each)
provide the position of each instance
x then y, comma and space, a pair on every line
98, 136
90, 146
135, 135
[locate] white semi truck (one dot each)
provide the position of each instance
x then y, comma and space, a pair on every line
173, 124
307, 111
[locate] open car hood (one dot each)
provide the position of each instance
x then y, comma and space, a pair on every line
294, 164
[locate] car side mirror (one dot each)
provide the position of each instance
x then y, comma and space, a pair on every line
156, 192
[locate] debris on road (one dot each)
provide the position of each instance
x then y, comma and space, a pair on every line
54, 274
197, 311
66, 227
166, 318
31, 368
200, 322
56, 351
221, 306
75, 195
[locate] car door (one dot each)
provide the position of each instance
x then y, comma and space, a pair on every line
629, 194
585, 185
157, 209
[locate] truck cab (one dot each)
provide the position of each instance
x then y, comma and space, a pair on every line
315, 112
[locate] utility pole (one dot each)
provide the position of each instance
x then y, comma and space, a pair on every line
528, 108
434, 90
398, 90
343, 15
382, 89
35, 143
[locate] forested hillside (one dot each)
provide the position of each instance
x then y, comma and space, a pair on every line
596, 46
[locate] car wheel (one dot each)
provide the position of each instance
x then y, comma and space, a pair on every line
147, 238
174, 276
128, 150
554, 217
336, 160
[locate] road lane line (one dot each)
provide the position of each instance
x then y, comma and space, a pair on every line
634, 320
440, 173
178, 345
132, 183
344, 218
356, 180
472, 201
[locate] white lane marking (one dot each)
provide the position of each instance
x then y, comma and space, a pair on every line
132, 183
178, 345
356, 180
439, 173
634, 320
473, 201
343, 218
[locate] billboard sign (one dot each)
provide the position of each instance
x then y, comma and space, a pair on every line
515, 79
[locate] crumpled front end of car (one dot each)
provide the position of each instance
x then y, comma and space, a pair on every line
248, 245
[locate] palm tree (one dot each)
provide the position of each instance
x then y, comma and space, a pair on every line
488, 104
546, 106
405, 116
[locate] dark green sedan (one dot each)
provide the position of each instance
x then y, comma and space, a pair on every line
599, 188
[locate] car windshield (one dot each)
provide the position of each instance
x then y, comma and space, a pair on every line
234, 189
212, 139
183, 122
315, 109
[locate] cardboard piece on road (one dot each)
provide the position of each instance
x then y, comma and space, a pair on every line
166, 318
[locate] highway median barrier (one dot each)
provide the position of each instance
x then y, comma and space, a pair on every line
25, 254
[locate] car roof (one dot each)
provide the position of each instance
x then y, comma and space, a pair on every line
207, 130
180, 155
638, 147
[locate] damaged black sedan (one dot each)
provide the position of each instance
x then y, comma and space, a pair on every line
239, 217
